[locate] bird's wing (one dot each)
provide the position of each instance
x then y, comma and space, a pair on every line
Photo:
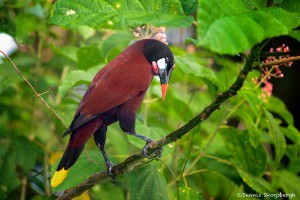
112, 86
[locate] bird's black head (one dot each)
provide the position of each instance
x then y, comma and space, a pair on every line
162, 60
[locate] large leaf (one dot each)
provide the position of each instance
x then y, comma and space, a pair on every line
256, 183
292, 6
288, 182
89, 57
236, 29
115, 43
120, 14
247, 116
187, 193
277, 106
244, 155
77, 77
295, 34
15, 162
189, 6
226, 170
191, 65
278, 138
292, 133
147, 182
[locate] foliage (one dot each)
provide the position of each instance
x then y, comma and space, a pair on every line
240, 149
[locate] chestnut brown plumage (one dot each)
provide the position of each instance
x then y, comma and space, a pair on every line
115, 94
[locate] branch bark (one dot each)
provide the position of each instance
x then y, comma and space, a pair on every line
280, 61
173, 136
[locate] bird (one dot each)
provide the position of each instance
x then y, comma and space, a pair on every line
115, 94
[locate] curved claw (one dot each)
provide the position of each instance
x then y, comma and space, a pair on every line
145, 151
110, 171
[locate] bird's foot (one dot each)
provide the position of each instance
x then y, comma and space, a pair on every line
145, 150
110, 171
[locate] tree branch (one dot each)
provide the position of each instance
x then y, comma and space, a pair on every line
175, 135
258, 65
280, 61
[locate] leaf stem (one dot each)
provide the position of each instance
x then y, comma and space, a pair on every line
23, 188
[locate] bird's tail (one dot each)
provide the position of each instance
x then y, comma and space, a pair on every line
74, 149
69, 158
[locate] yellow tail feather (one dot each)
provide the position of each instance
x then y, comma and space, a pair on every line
58, 177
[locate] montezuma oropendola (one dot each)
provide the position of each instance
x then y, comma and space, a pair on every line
115, 94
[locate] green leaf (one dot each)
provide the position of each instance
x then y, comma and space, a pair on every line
15, 162
256, 183
295, 34
255, 4
292, 152
8, 76
23, 147
243, 113
226, 170
187, 193
119, 14
118, 40
252, 96
25, 25
88, 57
277, 106
107, 190
287, 181
147, 183
77, 77
244, 155
292, 133
191, 65
69, 52
189, 6
8, 173
36, 10
292, 6
278, 138
235, 29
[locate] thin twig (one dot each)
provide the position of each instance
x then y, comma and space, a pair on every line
32, 88
258, 65
281, 61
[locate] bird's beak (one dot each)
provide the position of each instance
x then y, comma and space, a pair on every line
164, 80
164, 88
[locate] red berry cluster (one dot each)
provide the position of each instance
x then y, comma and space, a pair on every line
274, 71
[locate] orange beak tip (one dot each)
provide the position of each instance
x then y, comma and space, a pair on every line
164, 88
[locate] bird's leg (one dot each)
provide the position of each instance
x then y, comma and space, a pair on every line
100, 138
146, 147
126, 117
109, 165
